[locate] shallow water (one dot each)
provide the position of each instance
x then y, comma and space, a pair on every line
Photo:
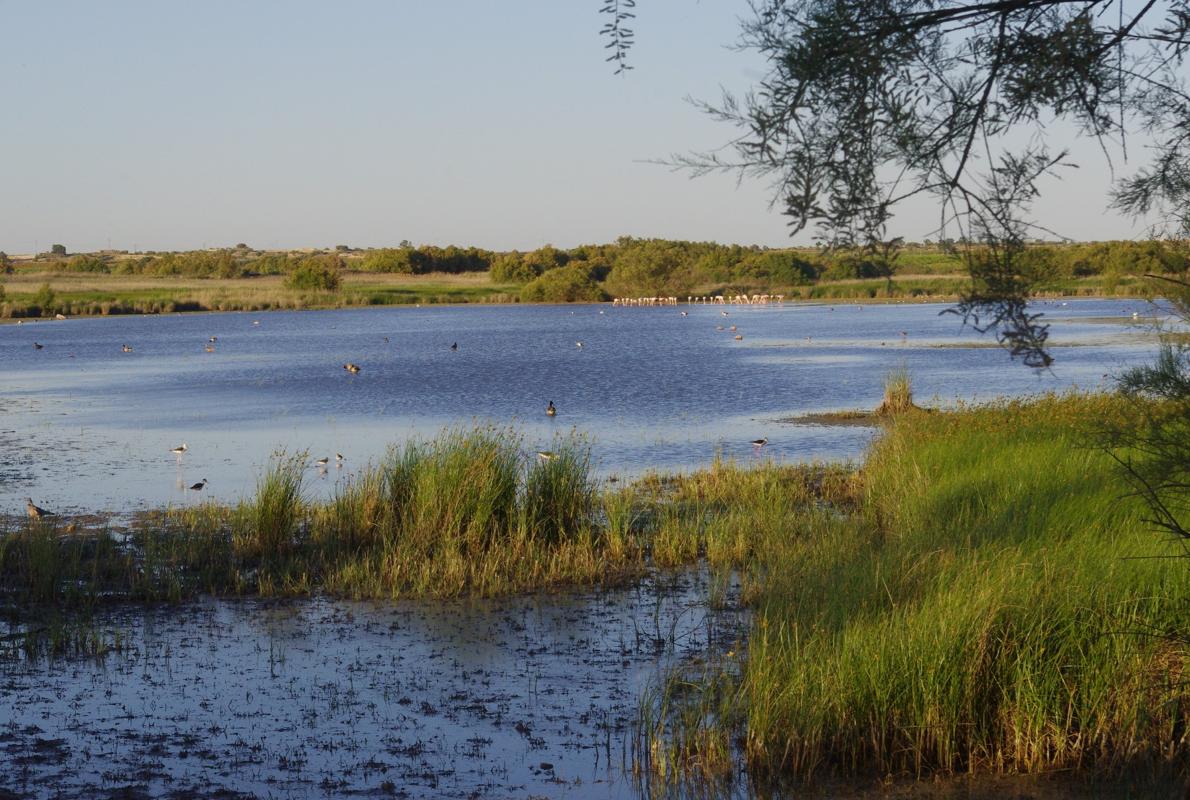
319, 698
86, 427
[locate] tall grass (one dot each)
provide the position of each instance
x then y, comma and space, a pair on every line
990, 606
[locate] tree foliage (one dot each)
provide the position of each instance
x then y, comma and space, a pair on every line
322, 273
868, 103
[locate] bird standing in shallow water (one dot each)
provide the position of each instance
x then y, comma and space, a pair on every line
550, 410
760, 442
454, 346
36, 512
177, 451
199, 486
545, 455
322, 462
37, 346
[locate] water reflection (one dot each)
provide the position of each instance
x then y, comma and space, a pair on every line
90, 427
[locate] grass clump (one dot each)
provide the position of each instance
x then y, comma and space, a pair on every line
898, 394
989, 605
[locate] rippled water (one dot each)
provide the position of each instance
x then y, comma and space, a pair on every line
87, 427
524, 697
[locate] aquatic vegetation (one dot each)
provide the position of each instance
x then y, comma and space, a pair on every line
988, 606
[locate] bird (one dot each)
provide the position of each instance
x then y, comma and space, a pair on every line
723, 313
177, 451
732, 329
213, 339
198, 487
339, 460
545, 455
126, 348
454, 346
350, 367
36, 512
739, 337
256, 322
37, 346
210, 348
684, 313
579, 345
550, 410
63, 316
760, 442
322, 461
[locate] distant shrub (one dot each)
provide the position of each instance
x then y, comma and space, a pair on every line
388, 259
321, 273
44, 298
568, 284
58, 250
5, 263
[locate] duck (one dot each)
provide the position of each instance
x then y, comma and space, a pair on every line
126, 348
352, 368
550, 411
454, 346
37, 346
213, 339
36, 512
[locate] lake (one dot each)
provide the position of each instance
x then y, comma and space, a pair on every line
88, 427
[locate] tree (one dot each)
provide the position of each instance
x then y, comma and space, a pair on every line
58, 249
5, 263
867, 104
317, 272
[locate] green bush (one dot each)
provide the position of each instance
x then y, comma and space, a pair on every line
568, 284
320, 273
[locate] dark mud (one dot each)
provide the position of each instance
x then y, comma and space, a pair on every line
533, 696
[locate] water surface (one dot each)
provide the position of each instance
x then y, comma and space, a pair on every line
87, 427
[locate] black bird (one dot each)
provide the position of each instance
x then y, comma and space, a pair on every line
760, 442
36, 512
198, 487
454, 346
37, 346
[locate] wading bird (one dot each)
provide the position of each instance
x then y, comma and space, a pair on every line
198, 487
36, 512
760, 442
322, 462
177, 451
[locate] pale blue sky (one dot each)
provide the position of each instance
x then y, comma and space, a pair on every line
163, 124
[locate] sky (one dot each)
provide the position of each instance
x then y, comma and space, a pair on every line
164, 124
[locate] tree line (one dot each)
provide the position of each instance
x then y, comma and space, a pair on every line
642, 267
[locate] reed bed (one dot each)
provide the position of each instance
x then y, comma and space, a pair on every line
995, 603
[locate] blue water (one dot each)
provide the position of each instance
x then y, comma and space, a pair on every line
87, 427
